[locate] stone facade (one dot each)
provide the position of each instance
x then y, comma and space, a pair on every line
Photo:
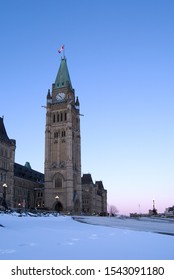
94, 196
61, 187
28, 187
62, 146
7, 156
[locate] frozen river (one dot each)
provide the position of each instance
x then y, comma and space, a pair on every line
153, 224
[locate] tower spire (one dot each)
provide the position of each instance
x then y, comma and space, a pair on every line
63, 76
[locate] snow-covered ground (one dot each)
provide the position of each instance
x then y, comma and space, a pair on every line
101, 238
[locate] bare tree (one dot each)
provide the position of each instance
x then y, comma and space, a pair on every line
113, 210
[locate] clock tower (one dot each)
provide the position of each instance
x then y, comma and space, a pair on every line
63, 146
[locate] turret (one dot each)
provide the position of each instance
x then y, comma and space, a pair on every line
49, 97
77, 103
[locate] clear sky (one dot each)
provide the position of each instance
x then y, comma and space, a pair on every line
120, 55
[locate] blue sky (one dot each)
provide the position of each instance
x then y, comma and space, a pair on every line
121, 62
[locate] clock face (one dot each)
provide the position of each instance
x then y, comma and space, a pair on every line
60, 96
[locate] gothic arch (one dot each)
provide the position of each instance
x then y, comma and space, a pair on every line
58, 206
58, 181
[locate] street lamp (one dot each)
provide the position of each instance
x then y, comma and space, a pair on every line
57, 197
4, 196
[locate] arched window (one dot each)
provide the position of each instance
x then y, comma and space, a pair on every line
61, 116
58, 182
54, 118
65, 116
56, 134
58, 117
63, 133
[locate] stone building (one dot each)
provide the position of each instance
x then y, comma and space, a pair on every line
7, 157
61, 187
94, 196
20, 186
28, 187
63, 146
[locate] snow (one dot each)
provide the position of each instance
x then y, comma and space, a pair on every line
94, 238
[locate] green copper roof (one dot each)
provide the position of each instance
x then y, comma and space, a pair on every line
63, 75
27, 164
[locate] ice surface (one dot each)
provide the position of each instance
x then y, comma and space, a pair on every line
61, 238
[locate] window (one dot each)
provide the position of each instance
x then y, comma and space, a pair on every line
58, 182
63, 133
56, 134
58, 117
65, 116
2, 177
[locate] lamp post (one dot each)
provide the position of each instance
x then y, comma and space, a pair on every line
4, 196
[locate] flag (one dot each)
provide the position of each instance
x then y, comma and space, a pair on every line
61, 49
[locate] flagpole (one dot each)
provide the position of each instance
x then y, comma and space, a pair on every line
64, 51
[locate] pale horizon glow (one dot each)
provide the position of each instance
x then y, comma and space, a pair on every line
120, 59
